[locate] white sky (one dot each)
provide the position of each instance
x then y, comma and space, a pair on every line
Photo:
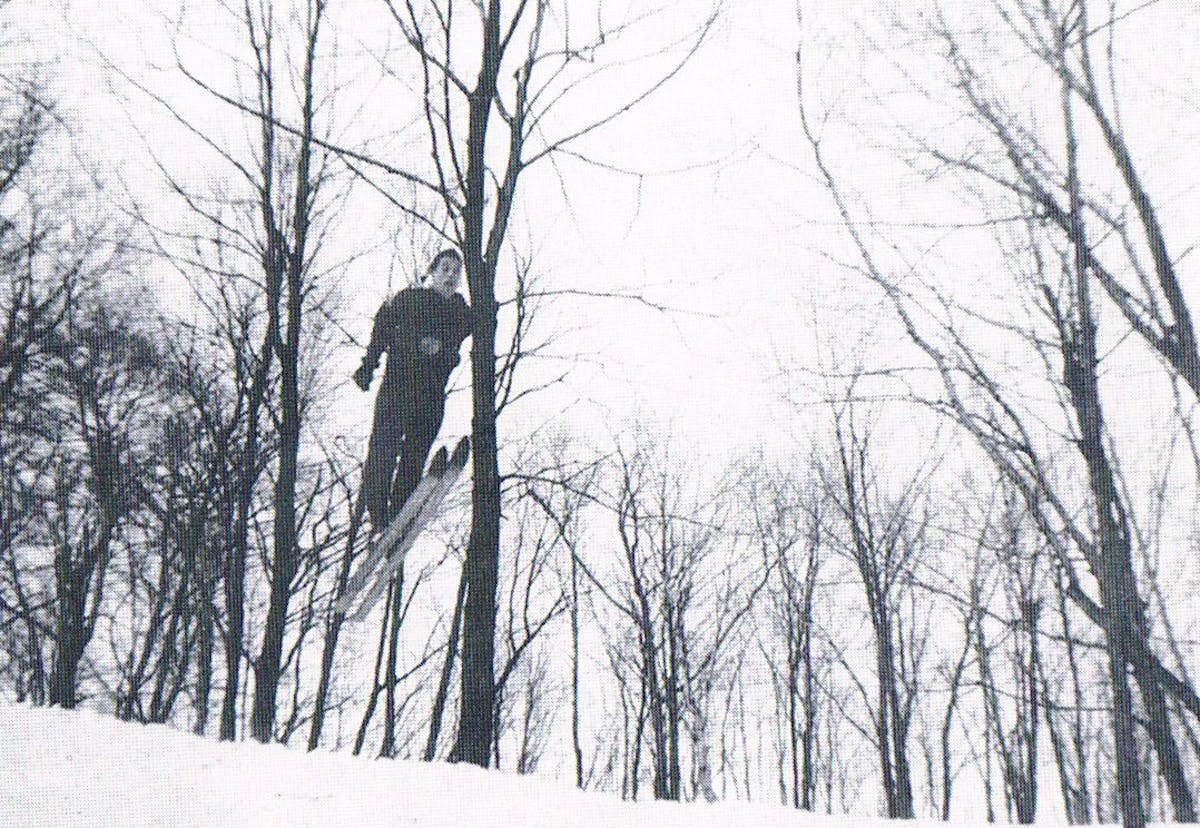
742, 240
714, 229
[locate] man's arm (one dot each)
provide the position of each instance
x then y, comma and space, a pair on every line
383, 327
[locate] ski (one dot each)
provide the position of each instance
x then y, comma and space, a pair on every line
417, 512
402, 524
392, 533
444, 476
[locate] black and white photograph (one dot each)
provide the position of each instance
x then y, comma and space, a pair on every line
600, 413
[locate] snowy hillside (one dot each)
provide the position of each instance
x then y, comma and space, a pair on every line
60, 768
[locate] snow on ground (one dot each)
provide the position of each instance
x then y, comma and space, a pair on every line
76, 768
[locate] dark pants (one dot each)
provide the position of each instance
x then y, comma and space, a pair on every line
407, 420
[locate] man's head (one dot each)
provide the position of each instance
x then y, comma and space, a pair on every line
445, 271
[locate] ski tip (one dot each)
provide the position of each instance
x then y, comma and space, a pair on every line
350, 614
461, 451
438, 464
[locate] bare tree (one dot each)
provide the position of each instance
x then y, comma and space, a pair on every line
561, 491
1061, 334
788, 528
171, 582
532, 599
883, 536
32, 308
536, 714
1008, 569
287, 262
225, 379
103, 371
475, 184
681, 607
267, 330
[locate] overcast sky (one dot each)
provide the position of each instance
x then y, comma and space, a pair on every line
713, 227
726, 223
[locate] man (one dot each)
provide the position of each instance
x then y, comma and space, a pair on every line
422, 329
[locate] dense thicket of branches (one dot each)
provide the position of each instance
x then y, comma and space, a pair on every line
1081, 252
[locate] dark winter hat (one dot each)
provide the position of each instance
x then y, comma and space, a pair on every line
448, 253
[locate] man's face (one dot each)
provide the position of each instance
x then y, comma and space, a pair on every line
445, 274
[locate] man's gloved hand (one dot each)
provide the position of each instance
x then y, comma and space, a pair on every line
430, 345
362, 377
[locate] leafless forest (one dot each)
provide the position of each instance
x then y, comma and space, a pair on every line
961, 577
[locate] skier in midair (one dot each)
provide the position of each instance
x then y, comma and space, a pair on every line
422, 330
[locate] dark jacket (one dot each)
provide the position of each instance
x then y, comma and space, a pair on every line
401, 323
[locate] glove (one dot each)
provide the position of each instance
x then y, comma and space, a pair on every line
362, 377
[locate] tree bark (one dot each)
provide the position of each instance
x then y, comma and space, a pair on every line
333, 627
443, 690
477, 699
387, 748
291, 260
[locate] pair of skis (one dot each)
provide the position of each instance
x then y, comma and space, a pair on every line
393, 544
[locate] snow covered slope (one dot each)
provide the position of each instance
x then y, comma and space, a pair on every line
64, 768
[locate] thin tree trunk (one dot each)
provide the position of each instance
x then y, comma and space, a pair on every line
291, 262
1080, 377
333, 627
388, 748
285, 560
948, 719
376, 686
638, 733
1083, 810
671, 703
793, 691
575, 743
443, 690
235, 577
205, 634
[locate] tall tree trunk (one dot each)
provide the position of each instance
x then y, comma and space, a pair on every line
285, 560
1081, 379
443, 690
893, 732
793, 721
577, 748
808, 779
1024, 763
671, 703
948, 718
1126, 627
387, 748
333, 627
67, 629
239, 549
204, 663
74, 581
292, 261
477, 699
639, 732
159, 703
